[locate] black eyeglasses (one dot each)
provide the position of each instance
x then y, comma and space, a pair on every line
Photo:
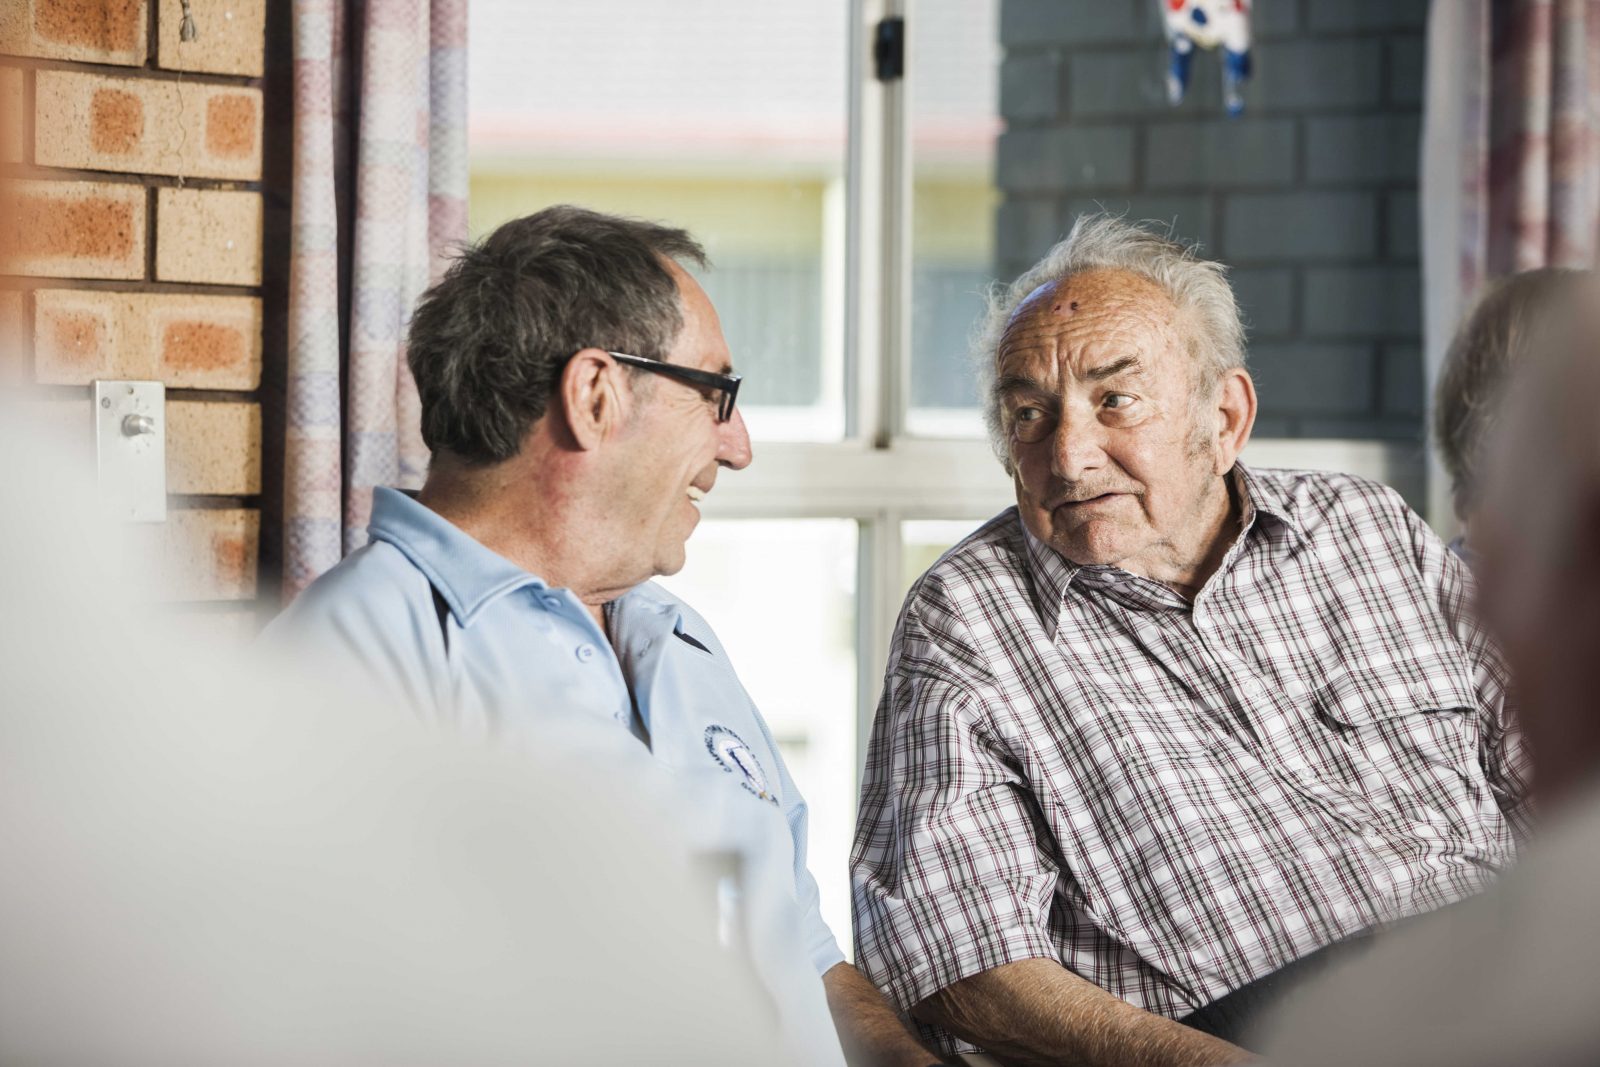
726, 384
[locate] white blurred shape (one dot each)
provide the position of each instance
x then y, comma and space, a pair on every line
202, 862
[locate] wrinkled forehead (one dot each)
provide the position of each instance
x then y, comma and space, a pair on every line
1094, 305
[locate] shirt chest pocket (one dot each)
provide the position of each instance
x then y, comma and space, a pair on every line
1404, 714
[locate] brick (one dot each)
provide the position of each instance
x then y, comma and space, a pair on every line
1373, 149
1299, 226
1317, 379
232, 37
1070, 22
147, 126
1057, 159
203, 554
1275, 18
213, 447
1188, 217
1402, 229
1266, 300
1295, 75
1026, 229
1354, 15
1401, 384
1201, 155
1375, 302
77, 230
1406, 59
90, 31
12, 123
1030, 87
188, 342
208, 236
13, 339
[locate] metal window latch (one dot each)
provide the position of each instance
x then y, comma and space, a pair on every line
130, 439
889, 49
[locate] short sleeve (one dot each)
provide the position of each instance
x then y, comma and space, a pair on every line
951, 870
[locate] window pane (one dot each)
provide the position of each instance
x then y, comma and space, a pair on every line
700, 116
781, 595
955, 121
923, 541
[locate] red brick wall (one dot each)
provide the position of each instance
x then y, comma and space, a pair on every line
136, 230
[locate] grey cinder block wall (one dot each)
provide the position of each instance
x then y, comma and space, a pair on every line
1310, 196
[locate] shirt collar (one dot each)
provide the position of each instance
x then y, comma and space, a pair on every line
467, 574
1053, 574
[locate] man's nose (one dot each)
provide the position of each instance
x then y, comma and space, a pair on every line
733, 443
1078, 447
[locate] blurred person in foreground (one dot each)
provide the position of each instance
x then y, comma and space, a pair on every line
1490, 342
207, 861
578, 397
1510, 977
1173, 733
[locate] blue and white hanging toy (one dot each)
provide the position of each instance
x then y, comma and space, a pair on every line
1209, 24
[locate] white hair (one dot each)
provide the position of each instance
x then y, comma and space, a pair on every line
1208, 313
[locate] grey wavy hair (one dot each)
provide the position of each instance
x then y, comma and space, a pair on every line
1199, 287
1501, 328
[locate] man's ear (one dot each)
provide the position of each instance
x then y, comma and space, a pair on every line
1236, 415
592, 397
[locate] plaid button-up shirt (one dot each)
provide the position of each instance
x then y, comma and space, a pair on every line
1176, 799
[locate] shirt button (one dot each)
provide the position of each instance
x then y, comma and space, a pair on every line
552, 602
585, 653
1254, 687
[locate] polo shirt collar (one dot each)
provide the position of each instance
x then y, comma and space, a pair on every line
467, 575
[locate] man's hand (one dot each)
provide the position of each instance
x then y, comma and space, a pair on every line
870, 1031
1038, 1012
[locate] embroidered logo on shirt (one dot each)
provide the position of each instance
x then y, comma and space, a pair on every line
729, 749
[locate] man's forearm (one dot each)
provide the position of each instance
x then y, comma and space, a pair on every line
1038, 1012
870, 1031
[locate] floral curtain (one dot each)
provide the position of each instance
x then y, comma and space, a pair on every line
379, 195
1511, 154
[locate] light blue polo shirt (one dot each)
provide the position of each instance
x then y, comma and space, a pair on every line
468, 640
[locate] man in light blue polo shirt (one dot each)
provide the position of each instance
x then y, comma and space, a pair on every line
578, 398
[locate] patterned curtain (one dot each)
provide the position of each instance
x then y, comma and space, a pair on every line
1511, 152
379, 195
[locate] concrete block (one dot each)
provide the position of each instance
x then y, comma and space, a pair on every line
1402, 229
1053, 160
232, 38
89, 31
1069, 22
1025, 229
1377, 428
147, 126
1203, 155
1406, 58
1377, 302
1302, 378
213, 447
1402, 391
1275, 18
1124, 81
1343, 16
186, 341
1030, 87
13, 117
1299, 226
1266, 300
208, 236
204, 554
77, 229
1189, 218
1372, 149
1295, 75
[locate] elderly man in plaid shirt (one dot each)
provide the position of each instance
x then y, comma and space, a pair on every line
1172, 732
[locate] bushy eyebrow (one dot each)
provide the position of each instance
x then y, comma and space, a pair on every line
1111, 370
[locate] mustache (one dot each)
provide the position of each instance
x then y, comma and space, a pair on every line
1077, 494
